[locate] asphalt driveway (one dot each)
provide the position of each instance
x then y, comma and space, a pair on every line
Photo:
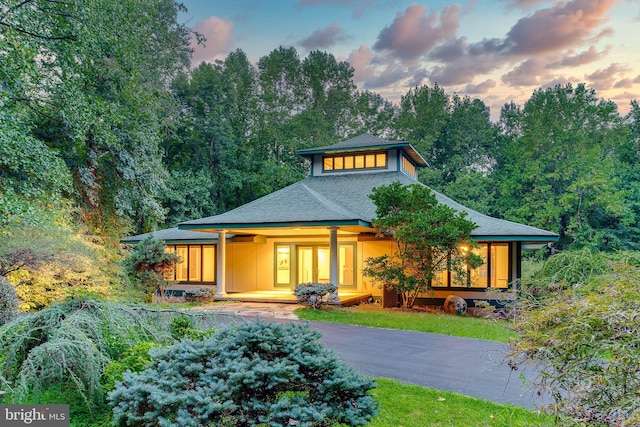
463, 365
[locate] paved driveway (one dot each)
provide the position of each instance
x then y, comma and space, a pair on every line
468, 366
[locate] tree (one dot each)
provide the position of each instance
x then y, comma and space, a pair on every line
149, 264
430, 237
558, 167
256, 373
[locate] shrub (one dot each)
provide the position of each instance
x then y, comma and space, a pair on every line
8, 301
59, 354
585, 338
257, 373
312, 294
200, 294
183, 327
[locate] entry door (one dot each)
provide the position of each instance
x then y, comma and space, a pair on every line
313, 264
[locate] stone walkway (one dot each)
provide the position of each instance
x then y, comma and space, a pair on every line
265, 311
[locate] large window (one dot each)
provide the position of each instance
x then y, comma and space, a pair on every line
493, 273
408, 167
197, 263
356, 161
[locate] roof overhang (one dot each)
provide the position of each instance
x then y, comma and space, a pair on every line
284, 229
526, 239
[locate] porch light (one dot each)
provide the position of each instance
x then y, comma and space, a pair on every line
463, 248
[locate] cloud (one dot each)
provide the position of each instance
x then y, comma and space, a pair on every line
637, 79
360, 60
527, 73
324, 38
604, 79
623, 84
561, 26
391, 74
480, 88
412, 33
219, 39
582, 58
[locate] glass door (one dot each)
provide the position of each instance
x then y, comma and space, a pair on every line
313, 264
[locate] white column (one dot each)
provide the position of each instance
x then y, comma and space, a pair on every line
221, 289
333, 263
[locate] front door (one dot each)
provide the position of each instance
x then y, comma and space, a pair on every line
313, 264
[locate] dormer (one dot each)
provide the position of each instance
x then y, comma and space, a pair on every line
364, 154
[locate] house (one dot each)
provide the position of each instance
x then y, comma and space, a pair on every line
320, 230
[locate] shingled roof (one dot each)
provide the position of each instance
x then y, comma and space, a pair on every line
343, 200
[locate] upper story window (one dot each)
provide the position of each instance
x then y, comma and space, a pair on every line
408, 167
355, 161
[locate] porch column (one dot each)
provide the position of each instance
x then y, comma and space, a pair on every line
221, 289
333, 263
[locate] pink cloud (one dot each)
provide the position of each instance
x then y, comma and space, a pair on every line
324, 37
480, 88
637, 79
623, 84
219, 39
528, 73
413, 33
590, 55
604, 79
559, 27
360, 60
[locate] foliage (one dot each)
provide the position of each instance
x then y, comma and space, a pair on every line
445, 409
376, 317
584, 336
200, 294
134, 359
312, 294
429, 238
8, 301
558, 168
148, 264
183, 327
260, 373
59, 354
50, 262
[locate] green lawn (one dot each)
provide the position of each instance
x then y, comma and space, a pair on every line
460, 326
404, 405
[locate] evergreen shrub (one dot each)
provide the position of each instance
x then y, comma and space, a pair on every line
256, 373
9, 301
313, 294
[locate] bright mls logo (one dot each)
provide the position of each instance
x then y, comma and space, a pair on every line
34, 415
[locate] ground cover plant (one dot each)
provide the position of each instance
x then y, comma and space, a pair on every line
374, 316
259, 373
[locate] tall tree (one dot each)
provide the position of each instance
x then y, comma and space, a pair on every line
101, 98
558, 167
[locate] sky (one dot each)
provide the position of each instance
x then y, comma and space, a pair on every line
496, 50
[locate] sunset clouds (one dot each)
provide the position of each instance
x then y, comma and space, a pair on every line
500, 49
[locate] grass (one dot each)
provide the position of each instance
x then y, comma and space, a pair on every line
404, 405
459, 326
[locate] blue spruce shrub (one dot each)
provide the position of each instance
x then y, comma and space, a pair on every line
255, 373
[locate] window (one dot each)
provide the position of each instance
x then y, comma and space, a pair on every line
197, 263
493, 273
408, 167
359, 161
283, 265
